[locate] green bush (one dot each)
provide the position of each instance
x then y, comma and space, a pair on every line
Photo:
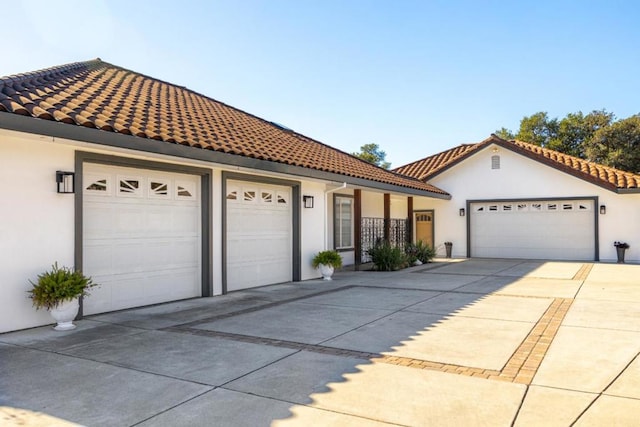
331, 258
386, 257
420, 251
58, 285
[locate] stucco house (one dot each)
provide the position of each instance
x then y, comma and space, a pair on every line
160, 194
511, 199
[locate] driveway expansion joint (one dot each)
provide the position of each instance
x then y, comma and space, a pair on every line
258, 308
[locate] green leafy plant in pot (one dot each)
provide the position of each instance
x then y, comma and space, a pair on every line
58, 290
327, 262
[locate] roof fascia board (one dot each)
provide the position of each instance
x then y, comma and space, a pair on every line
28, 124
628, 190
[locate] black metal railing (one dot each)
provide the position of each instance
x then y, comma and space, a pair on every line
372, 231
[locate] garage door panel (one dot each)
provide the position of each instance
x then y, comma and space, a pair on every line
98, 259
553, 229
141, 242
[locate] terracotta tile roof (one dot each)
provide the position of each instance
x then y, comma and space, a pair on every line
423, 169
604, 176
96, 94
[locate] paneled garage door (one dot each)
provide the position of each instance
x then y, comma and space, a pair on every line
259, 234
141, 236
551, 229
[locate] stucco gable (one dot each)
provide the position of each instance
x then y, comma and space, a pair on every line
610, 178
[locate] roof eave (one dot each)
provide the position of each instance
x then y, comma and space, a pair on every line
29, 124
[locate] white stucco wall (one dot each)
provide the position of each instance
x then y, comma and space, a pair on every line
372, 205
36, 224
521, 177
398, 207
312, 225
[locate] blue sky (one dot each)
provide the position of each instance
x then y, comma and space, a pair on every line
415, 77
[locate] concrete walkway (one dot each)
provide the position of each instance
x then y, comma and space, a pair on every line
474, 342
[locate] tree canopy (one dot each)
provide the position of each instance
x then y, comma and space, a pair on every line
596, 136
373, 154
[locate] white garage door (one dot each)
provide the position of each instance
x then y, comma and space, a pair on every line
259, 234
141, 236
553, 229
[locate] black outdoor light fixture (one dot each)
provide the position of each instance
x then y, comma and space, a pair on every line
308, 201
66, 182
462, 212
603, 209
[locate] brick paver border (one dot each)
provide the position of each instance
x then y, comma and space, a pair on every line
524, 362
520, 368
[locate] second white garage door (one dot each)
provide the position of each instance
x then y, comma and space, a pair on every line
552, 229
259, 234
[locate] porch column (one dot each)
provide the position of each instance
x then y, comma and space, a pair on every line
357, 227
409, 219
387, 217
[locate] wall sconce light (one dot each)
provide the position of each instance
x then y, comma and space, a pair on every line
603, 209
307, 201
462, 212
66, 182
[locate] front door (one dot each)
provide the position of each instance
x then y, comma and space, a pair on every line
424, 227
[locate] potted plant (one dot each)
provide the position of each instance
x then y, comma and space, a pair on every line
621, 247
58, 291
327, 262
448, 246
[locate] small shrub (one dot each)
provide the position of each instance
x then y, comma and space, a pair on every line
411, 253
58, 285
424, 252
331, 258
386, 257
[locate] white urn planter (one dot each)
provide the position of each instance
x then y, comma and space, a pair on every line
64, 314
326, 271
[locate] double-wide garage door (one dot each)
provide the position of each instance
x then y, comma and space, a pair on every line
259, 234
540, 229
141, 236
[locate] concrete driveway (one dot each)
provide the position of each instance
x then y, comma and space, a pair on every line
472, 342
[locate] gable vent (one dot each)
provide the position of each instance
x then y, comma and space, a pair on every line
495, 162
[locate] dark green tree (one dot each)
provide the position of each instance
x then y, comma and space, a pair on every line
504, 133
576, 129
538, 129
616, 145
373, 154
